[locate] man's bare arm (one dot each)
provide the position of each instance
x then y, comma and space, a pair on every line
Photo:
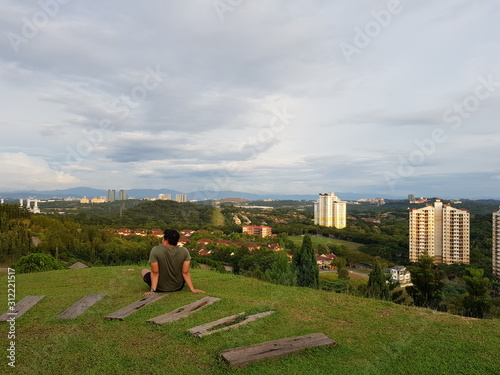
155, 274
186, 274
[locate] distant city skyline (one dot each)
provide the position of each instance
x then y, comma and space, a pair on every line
361, 97
170, 194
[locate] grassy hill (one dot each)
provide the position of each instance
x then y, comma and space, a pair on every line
373, 337
316, 240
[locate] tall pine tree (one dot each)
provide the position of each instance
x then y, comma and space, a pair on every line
476, 301
377, 283
305, 265
342, 271
427, 283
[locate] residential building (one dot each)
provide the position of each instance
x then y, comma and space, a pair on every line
262, 231
418, 201
84, 200
440, 231
330, 211
496, 244
401, 275
324, 261
275, 247
157, 233
181, 198
98, 200
111, 195
164, 197
123, 195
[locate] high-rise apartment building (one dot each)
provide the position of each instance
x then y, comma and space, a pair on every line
496, 244
165, 197
123, 195
111, 195
181, 197
440, 231
262, 231
330, 211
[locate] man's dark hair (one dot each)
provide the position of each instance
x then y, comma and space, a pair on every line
171, 236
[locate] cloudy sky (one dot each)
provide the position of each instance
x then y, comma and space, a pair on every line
388, 97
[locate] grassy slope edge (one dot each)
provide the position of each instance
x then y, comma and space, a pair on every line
373, 336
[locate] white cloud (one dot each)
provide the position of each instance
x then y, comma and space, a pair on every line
21, 172
221, 80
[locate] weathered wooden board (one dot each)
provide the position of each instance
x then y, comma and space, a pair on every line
20, 308
205, 329
245, 355
133, 307
183, 311
81, 306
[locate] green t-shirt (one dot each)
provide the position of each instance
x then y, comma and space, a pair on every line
170, 260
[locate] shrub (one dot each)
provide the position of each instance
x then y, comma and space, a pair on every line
37, 262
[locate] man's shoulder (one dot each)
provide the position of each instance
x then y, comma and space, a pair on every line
181, 249
158, 248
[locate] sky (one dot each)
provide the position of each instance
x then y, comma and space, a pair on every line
280, 96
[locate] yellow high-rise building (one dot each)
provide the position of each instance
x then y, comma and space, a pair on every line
496, 244
440, 231
330, 211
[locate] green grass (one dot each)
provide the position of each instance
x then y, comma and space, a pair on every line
325, 240
374, 337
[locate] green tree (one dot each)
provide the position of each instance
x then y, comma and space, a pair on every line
323, 249
341, 265
281, 272
305, 266
37, 262
476, 301
427, 283
377, 283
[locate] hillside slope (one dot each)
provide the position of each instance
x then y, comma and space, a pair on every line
373, 337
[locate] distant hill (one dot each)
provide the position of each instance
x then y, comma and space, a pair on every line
79, 192
234, 200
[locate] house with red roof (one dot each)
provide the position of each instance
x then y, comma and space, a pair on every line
204, 241
124, 232
157, 233
204, 252
275, 247
325, 260
186, 232
252, 246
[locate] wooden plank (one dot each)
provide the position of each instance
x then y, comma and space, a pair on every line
245, 355
184, 311
81, 306
15, 312
205, 329
133, 307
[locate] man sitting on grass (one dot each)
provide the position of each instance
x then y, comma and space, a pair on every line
170, 266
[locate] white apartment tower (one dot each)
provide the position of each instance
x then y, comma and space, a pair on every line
496, 244
440, 231
181, 197
330, 211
